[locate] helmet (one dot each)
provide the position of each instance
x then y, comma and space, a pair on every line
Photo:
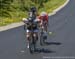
32, 12
33, 9
43, 14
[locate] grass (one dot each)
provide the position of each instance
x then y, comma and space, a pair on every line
53, 4
18, 15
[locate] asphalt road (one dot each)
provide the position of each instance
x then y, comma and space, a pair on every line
62, 25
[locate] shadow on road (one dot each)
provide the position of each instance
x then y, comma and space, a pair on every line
52, 43
43, 50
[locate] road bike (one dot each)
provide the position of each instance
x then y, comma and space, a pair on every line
43, 33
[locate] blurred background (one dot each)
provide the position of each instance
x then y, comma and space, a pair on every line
14, 10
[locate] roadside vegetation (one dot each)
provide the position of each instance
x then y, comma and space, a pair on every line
14, 10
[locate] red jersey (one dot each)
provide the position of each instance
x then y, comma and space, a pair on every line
45, 18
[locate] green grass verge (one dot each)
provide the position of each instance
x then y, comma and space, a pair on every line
53, 4
18, 15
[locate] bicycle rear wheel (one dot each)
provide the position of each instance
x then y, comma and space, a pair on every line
41, 38
31, 49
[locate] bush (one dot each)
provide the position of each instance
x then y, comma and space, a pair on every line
14, 10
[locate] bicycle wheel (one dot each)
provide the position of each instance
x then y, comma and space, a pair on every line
41, 38
32, 45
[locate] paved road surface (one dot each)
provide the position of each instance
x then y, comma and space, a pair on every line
62, 25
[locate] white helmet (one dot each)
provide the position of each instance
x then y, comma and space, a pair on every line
24, 19
43, 14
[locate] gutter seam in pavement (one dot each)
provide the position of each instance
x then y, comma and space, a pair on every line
14, 25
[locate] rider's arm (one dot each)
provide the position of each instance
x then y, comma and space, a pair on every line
24, 20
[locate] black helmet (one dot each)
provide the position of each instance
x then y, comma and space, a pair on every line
32, 13
33, 9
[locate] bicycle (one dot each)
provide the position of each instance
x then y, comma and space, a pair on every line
43, 37
32, 41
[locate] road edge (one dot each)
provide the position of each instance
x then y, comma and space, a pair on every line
59, 8
14, 25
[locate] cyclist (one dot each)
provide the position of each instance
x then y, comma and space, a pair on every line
44, 20
43, 26
28, 21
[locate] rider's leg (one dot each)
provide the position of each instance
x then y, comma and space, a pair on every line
45, 26
36, 33
35, 38
28, 36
